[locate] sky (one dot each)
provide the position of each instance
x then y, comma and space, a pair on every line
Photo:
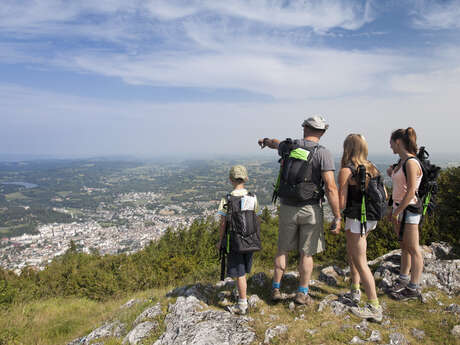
197, 78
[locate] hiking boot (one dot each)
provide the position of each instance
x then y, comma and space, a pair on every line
276, 295
406, 294
398, 285
237, 309
301, 298
368, 312
353, 295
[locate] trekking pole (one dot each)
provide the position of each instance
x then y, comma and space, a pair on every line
362, 178
222, 258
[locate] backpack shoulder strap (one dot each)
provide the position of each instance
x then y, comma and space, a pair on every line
404, 165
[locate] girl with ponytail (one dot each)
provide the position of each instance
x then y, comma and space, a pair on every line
406, 177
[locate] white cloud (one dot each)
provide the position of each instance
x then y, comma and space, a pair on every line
432, 14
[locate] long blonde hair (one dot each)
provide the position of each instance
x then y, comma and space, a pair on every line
355, 153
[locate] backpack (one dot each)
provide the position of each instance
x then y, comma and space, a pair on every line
373, 197
428, 188
295, 177
242, 225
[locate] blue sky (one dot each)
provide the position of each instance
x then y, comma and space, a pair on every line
202, 77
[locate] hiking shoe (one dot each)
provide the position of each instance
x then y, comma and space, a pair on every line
368, 312
353, 295
398, 285
406, 294
237, 309
276, 295
301, 298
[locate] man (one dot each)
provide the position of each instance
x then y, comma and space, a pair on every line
301, 223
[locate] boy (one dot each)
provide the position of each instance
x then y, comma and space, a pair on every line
238, 264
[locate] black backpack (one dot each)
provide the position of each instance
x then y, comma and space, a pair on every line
295, 177
242, 227
428, 188
373, 197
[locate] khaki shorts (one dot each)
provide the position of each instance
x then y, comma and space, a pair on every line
301, 229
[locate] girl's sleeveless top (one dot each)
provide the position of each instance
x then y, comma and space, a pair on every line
400, 185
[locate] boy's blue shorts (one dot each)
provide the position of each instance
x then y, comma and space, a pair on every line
238, 264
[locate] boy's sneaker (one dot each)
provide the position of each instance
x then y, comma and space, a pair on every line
276, 295
398, 285
353, 295
406, 294
368, 312
237, 309
301, 298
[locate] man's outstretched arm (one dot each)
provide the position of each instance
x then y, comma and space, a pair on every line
333, 198
271, 143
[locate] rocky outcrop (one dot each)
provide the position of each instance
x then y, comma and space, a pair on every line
140, 332
189, 322
438, 273
112, 329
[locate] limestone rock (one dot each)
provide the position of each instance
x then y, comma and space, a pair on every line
258, 280
357, 340
131, 303
149, 313
442, 274
338, 306
187, 322
456, 331
329, 276
274, 332
254, 301
140, 332
376, 337
112, 329
228, 283
397, 339
200, 291
453, 308
417, 333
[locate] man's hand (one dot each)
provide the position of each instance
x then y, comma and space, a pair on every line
263, 142
218, 245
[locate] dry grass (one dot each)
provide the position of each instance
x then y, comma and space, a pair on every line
60, 320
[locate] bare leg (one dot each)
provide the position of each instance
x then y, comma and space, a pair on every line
411, 243
280, 266
305, 269
353, 271
242, 286
358, 247
405, 255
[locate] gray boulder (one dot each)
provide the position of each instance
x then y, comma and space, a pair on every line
188, 322
112, 329
274, 332
329, 275
140, 332
149, 313
397, 339
200, 291
258, 280
442, 274
456, 331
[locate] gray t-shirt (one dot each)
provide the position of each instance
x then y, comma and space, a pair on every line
321, 161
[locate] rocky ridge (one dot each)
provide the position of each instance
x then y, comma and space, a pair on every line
194, 314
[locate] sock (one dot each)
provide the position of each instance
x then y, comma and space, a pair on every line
374, 302
303, 289
243, 303
355, 286
413, 286
404, 277
276, 285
